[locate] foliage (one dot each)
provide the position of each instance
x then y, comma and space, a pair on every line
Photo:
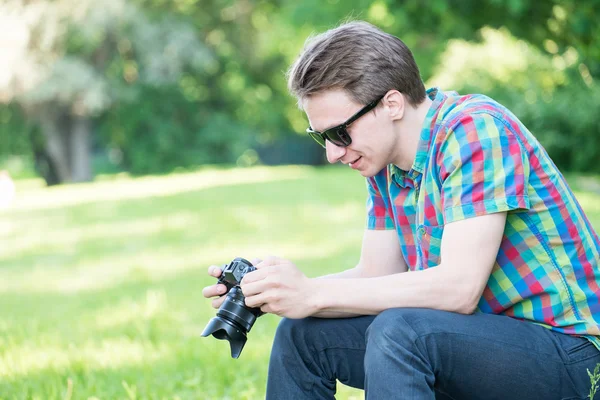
279, 29
566, 125
73, 60
547, 93
222, 63
84, 55
15, 132
153, 136
595, 381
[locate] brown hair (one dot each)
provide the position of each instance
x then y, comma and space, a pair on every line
359, 58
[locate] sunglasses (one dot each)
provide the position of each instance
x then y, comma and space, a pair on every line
339, 135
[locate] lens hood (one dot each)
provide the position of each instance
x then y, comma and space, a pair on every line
222, 329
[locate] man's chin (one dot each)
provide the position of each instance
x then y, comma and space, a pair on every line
368, 173
367, 169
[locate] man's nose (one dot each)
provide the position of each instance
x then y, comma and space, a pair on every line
334, 153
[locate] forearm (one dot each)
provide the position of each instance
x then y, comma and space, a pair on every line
435, 288
335, 314
356, 273
351, 273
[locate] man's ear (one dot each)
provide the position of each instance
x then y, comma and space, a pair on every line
395, 102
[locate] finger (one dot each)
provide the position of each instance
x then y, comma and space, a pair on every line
271, 260
256, 276
214, 290
214, 270
267, 309
216, 303
255, 261
256, 301
254, 288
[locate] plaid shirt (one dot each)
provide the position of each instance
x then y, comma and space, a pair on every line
475, 158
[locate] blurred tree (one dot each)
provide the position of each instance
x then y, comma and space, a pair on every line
72, 60
546, 92
186, 82
250, 41
426, 25
546, 87
551, 25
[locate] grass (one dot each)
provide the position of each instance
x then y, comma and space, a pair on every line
594, 381
100, 284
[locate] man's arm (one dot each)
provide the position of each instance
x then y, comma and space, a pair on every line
380, 255
468, 252
469, 249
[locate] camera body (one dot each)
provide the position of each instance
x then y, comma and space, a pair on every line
234, 272
234, 319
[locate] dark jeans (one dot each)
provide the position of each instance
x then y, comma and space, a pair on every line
413, 353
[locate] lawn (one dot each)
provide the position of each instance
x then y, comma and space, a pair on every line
100, 284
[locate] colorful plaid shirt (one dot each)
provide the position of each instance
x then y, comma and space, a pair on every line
475, 158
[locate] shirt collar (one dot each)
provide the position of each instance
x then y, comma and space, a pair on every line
403, 177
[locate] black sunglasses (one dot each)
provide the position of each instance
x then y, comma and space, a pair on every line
338, 135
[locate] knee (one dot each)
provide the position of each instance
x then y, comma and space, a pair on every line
293, 334
401, 326
388, 328
288, 331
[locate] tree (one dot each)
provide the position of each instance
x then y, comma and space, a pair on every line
161, 84
70, 61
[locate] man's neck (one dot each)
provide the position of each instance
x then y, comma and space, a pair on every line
411, 130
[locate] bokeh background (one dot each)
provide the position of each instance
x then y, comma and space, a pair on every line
143, 140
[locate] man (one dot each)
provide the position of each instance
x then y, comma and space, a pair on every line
502, 298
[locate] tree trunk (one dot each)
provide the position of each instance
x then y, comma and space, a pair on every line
56, 146
45, 166
67, 153
80, 149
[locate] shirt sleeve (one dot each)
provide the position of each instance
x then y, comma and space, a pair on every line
484, 168
379, 215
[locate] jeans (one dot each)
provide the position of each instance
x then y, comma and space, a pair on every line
413, 353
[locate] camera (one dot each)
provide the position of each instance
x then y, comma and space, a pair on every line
234, 319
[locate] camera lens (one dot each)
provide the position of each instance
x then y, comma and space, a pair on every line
233, 321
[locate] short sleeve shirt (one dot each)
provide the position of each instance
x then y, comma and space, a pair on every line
476, 158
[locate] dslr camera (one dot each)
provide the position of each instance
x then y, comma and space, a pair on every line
234, 319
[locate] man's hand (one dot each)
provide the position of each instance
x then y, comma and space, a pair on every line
278, 287
217, 291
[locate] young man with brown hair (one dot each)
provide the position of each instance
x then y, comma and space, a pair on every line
479, 271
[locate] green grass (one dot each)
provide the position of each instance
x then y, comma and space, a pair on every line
100, 284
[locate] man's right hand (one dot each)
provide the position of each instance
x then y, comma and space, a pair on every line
215, 291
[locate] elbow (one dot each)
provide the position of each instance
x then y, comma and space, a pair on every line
463, 291
467, 308
468, 301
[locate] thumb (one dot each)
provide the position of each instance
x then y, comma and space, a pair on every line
214, 270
